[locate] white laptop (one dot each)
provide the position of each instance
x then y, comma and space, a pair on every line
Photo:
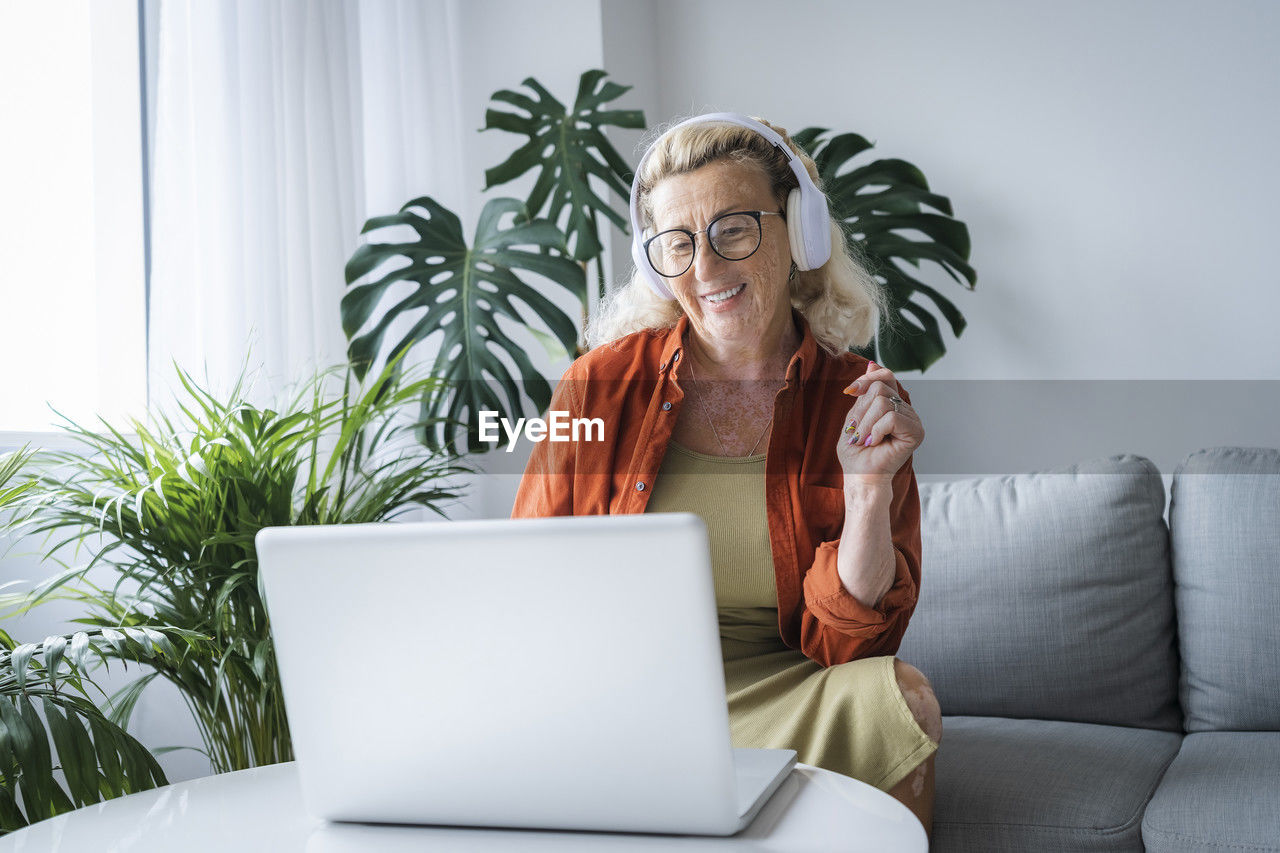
560, 673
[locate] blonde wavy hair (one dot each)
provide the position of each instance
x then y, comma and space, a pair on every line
841, 301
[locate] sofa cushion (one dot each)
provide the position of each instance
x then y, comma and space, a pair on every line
1049, 596
1220, 793
1019, 785
1226, 567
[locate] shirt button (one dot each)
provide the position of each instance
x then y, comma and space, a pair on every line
666, 406
639, 487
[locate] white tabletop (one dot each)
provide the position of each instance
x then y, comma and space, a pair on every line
261, 810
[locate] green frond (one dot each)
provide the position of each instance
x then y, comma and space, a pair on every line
97, 757
171, 507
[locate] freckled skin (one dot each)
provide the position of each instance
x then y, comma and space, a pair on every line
742, 412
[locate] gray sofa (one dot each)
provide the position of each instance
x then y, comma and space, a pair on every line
1107, 681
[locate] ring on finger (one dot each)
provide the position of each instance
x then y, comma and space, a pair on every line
896, 401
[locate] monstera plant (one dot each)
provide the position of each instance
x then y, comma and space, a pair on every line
477, 300
467, 292
567, 148
464, 289
881, 204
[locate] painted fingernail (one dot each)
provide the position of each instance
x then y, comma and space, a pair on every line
867, 443
856, 437
852, 390
871, 365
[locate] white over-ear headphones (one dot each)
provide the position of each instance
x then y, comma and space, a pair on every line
808, 223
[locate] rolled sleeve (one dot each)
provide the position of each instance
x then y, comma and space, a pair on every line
829, 601
836, 627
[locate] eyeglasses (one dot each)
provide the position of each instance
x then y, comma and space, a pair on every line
733, 236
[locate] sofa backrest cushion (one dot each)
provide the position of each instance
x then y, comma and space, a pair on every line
1224, 519
1049, 596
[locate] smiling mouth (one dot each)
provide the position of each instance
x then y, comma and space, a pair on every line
725, 294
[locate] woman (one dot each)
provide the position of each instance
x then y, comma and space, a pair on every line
721, 373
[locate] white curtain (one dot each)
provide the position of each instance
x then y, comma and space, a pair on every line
280, 127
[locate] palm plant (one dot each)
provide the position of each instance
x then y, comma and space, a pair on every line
44, 699
10, 465
176, 504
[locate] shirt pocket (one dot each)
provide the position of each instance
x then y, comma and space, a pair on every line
823, 508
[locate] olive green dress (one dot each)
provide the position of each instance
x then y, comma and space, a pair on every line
850, 718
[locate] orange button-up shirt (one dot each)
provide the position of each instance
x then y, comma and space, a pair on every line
632, 386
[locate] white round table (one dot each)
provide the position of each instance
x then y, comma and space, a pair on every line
261, 810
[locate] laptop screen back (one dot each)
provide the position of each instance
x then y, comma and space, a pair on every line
558, 673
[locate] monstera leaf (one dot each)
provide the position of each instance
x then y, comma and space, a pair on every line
883, 204
461, 291
567, 146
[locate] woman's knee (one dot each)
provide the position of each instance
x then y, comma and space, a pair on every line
920, 699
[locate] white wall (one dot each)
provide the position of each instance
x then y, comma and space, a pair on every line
630, 37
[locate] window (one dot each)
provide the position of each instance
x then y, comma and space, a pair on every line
72, 254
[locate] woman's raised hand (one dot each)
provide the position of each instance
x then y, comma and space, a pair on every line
881, 429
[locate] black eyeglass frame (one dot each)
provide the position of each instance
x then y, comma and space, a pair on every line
693, 238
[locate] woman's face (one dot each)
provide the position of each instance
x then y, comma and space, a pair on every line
762, 307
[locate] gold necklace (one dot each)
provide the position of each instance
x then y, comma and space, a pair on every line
711, 423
